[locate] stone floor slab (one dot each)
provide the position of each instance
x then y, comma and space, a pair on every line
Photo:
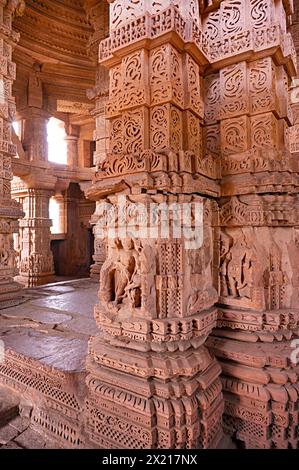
7, 433
30, 439
11, 446
64, 353
81, 302
20, 423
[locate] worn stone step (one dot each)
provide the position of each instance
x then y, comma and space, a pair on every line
9, 406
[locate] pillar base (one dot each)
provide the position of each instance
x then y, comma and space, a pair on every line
34, 281
10, 294
260, 382
149, 400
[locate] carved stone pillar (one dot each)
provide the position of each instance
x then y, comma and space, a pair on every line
152, 382
34, 191
98, 15
247, 115
72, 145
34, 139
10, 210
35, 259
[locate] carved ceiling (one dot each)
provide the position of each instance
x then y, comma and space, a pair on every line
55, 34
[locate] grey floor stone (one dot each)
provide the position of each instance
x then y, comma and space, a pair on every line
30, 439
7, 433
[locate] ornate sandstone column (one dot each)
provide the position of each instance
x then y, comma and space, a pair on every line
100, 94
10, 210
247, 115
34, 134
152, 382
98, 15
72, 145
34, 239
33, 243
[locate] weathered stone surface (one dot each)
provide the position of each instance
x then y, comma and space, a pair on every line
7, 433
8, 406
30, 439
66, 354
71, 302
19, 423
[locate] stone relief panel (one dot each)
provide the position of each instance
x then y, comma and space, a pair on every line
264, 131
262, 84
234, 135
145, 278
257, 270
234, 91
166, 128
166, 76
212, 98
122, 12
240, 271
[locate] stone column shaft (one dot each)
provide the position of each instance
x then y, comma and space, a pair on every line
99, 18
34, 140
72, 139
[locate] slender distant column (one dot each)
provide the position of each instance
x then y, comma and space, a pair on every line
72, 139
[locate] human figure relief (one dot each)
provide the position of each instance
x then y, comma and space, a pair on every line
6, 258
236, 267
120, 280
225, 258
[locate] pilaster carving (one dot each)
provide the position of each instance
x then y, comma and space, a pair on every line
10, 210
258, 311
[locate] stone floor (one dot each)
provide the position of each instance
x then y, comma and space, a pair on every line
54, 321
15, 431
53, 326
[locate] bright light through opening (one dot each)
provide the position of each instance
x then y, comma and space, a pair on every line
16, 126
54, 212
57, 145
